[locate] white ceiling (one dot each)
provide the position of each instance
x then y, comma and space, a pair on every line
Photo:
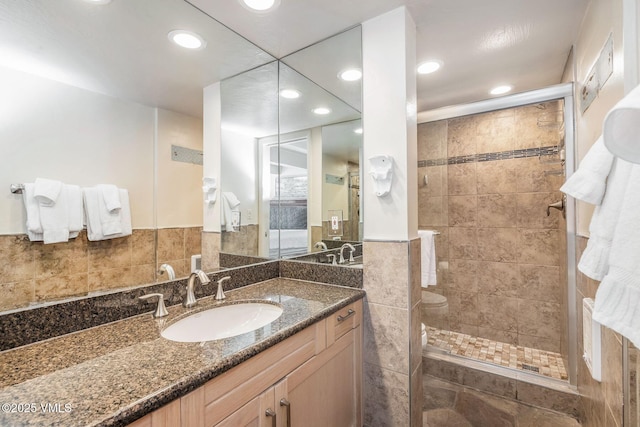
523, 43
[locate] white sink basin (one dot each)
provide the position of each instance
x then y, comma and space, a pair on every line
222, 322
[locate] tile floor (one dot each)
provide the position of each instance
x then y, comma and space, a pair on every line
513, 356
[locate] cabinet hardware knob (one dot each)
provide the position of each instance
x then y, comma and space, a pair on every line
285, 402
350, 313
270, 413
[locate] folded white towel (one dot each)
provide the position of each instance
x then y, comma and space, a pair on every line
229, 202
55, 219
47, 191
76, 210
617, 302
34, 227
428, 257
111, 197
96, 211
622, 126
595, 260
588, 183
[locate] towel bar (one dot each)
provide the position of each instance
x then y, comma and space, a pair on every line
17, 188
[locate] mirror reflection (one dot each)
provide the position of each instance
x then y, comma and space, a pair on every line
293, 127
87, 105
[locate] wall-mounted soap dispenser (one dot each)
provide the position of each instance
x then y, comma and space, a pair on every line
382, 173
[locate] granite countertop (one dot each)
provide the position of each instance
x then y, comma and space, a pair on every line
113, 374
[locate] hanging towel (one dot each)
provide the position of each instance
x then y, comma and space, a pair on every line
54, 218
622, 126
76, 211
111, 197
34, 226
229, 203
427, 257
96, 212
617, 302
209, 188
588, 183
47, 191
595, 259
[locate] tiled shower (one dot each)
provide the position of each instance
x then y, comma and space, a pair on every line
485, 182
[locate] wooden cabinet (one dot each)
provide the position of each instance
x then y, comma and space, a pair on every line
167, 416
310, 379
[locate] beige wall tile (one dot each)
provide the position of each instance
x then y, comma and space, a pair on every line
463, 307
17, 294
61, 286
612, 373
495, 133
463, 243
170, 243
436, 181
539, 343
143, 247
461, 136
416, 397
509, 337
60, 259
497, 312
181, 267
432, 211
541, 283
108, 254
532, 210
530, 176
121, 277
461, 179
432, 140
539, 319
497, 244
386, 273
415, 278
192, 241
16, 259
463, 211
498, 278
538, 247
496, 177
496, 210
210, 250
463, 275
386, 397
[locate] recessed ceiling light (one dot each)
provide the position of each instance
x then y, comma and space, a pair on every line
358, 131
187, 39
350, 75
260, 5
429, 67
289, 93
98, 1
321, 110
499, 90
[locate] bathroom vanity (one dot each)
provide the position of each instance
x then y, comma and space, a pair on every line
302, 369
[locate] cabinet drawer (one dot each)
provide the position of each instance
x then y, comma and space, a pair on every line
343, 321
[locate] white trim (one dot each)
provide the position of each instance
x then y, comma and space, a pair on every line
509, 101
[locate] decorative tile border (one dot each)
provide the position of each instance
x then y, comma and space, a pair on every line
551, 150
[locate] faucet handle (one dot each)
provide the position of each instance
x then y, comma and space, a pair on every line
220, 293
161, 309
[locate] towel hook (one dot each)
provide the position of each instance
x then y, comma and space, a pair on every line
17, 188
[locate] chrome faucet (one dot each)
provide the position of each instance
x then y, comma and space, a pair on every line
171, 274
220, 293
190, 300
320, 245
351, 251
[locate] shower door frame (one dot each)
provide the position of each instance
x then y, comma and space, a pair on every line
563, 91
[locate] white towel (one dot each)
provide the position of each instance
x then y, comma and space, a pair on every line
34, 226
111, 197
95, 209
588, 183
73, 196
54, 218
229, 202
47, 191
622, 126
595, 260
617, 302
428, 257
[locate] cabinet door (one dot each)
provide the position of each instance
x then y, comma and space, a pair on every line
324, 391
259, 412
167, 416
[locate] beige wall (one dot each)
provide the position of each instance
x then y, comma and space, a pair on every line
503, 252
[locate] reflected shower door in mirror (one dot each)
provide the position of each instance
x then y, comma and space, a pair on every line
281, 112
106, 108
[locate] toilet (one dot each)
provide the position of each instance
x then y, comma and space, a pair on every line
435, 312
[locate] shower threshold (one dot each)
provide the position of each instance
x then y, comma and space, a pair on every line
525, 359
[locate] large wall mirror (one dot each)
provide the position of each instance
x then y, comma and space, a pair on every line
98, 94
291, 148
